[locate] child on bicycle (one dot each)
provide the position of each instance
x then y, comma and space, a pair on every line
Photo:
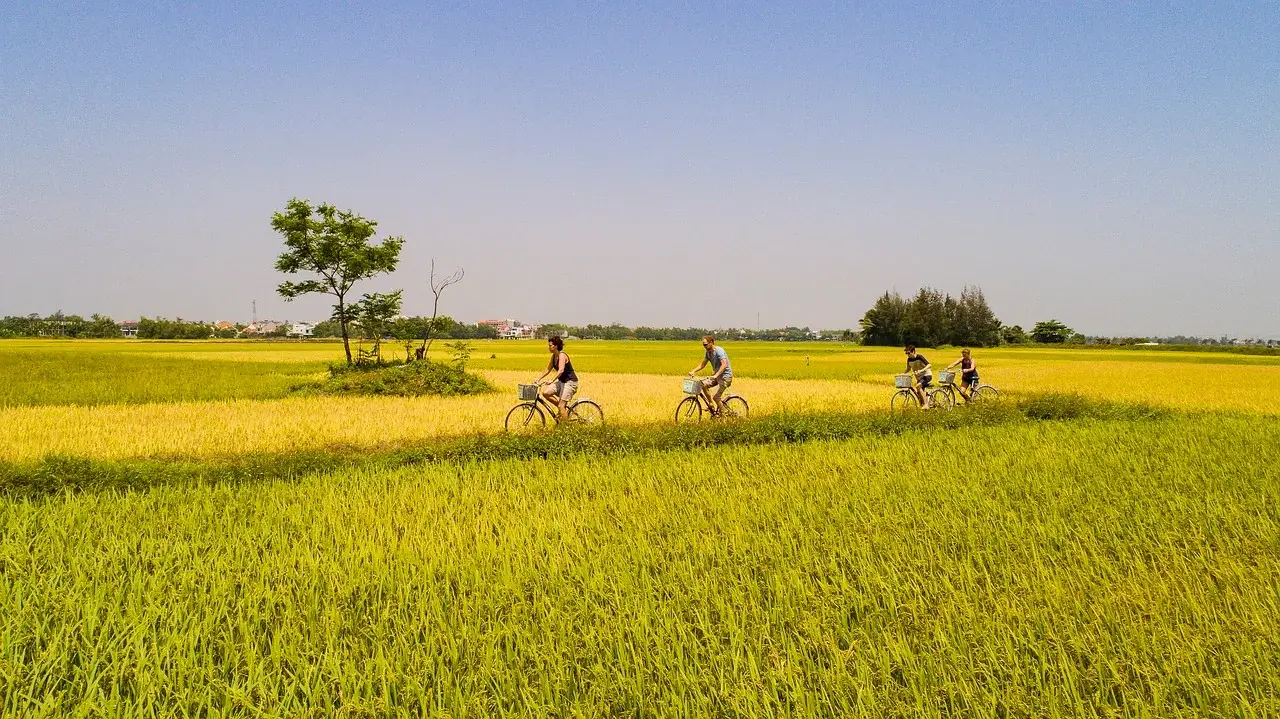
565, 385
968, 374
722, 375
919, 366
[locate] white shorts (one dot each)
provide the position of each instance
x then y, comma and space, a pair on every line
566, 390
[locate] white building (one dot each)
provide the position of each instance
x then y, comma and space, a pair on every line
302, 329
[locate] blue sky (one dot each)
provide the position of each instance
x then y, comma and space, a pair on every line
1111, 165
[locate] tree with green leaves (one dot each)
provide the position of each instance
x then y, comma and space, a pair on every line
1014, 335
925, 323
1051, 332
336, 246
375, 313
973, 323
882, 324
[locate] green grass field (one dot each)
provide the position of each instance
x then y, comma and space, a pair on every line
1020, 564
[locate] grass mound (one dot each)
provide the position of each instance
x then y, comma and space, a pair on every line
414, 379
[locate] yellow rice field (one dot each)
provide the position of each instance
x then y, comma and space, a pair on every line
774, 377
234, 427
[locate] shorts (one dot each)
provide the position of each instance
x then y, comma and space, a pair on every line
926, 381
723, 383
566, 390
969, 380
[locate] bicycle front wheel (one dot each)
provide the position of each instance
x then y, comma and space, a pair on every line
904, 399
735, 407
525, 417
941, 399
689, 410
587, 412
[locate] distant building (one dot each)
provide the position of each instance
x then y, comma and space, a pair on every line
128, 328
302, 329
510, 329
263, 327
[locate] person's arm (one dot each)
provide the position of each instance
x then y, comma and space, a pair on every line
953, 364
560, 361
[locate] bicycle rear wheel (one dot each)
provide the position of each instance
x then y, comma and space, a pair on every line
587, 412
904, 399
941, 399
689, 410
525, 417
985, 393
735, 407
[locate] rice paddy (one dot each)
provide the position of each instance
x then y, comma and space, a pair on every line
1059, 568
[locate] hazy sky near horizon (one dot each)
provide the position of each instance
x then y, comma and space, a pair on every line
1112, 165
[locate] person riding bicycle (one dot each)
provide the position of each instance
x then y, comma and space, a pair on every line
918, 366
565, 385
721, 377
968, 373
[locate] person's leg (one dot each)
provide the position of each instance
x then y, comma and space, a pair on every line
551, 393
720, 388
706, 395
567, 390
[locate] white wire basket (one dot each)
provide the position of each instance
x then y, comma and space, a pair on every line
946, 377
692, 386
528, 392
902, 381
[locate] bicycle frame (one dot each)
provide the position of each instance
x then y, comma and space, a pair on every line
704, 396
550, 408
958, 388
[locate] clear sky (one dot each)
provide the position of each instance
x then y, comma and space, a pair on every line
1112, 165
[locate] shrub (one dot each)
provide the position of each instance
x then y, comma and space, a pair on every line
414, 379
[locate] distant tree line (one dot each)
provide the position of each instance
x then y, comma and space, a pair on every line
59, 325
413, 328
622, 332
891, 321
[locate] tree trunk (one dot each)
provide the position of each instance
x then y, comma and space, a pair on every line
346, 335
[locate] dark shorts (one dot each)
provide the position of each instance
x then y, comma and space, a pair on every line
968, 380
926, 381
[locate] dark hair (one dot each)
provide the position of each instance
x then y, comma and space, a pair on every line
911, 348
557, 341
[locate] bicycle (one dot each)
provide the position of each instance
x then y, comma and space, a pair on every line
981, 393
905, 398
531, 413
690, 408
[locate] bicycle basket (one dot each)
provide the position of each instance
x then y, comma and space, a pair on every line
528, 392
902, 381
946, 377
692, 386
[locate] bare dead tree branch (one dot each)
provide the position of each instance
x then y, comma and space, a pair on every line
438, 286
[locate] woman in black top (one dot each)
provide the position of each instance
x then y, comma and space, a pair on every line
560, 391
968, 373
